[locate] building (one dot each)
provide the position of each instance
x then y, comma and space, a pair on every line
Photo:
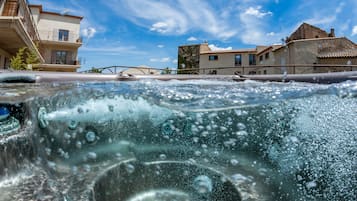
307, 50
307, 31
189, 58
227, 62
54, 37
315, 55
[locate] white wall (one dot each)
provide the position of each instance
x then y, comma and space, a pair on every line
49, 24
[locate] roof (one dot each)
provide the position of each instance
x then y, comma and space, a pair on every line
229, 51
272, 47
314, 39
54, 13
340, 54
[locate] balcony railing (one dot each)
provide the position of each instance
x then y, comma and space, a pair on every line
54, 35
20, 9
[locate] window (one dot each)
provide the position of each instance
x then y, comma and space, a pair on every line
213, 57
60, 57
212, 72
265, 72
63, 35
252, 60
238, 60
267, 55
261, 58
252, 73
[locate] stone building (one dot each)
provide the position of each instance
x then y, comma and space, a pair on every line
54, 37
309, 55
307, 31
308, 50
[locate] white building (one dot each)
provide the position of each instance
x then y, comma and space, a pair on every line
57, 35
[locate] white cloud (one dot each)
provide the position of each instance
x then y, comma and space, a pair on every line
354, 30
174, 17
327, 20
174, 61
89, 32
161, 27
192, 39
160, 46
253, 25
257, 12
113, 50
216, 48
340, 7
161, 60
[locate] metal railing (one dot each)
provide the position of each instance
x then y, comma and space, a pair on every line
54, 35
28, 20
244, 70
118, 69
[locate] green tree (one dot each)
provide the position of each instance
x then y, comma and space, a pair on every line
32, 58
25, 59
167, 70
95, 70
17, 62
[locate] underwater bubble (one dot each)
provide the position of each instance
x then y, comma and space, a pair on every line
51, 165
204, 133
90, 136
72, 124
223, 129
162, 157
203, 184
195, 139
167, 128
129, 168
234, 162
86, 168
310, 185
79, 144
92, 155
241, 126
48, 151
241, 133
67, 136
198, 153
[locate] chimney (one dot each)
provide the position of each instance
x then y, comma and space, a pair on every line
332, 33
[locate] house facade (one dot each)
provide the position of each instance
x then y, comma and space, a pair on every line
54, 37
307, 50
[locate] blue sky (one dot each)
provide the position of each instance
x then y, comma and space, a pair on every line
148, 32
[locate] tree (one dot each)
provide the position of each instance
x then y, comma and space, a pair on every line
32, 59
17, 62
25, 59
95, 70
167, 70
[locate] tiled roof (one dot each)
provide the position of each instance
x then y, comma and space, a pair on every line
339, 54
229, 51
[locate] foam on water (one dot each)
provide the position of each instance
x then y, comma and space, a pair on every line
117, 109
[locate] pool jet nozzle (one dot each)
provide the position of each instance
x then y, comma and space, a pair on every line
98, 111
41, 117
8, 123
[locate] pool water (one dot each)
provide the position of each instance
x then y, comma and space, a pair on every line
180, 140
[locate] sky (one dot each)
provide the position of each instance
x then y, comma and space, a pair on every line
148, 32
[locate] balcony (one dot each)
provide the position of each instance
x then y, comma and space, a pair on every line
17, 28
56, 37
